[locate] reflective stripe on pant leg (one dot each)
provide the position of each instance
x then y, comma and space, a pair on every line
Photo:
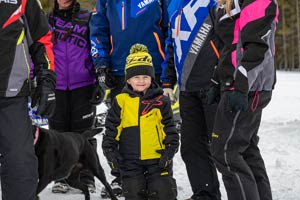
231, 138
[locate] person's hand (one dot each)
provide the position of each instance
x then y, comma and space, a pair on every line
105, 77
238, 101
97, 95
113, 158
169, 92
166, 158
213, 95
44, 94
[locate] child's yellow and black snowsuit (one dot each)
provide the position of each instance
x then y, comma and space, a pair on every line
137, 126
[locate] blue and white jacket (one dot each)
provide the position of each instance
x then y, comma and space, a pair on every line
118, 24
192, 48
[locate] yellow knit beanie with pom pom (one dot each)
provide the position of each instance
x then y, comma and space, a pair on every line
139, 62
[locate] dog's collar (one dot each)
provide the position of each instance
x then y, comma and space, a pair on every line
36, 135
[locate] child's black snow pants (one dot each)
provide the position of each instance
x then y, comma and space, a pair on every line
144, 180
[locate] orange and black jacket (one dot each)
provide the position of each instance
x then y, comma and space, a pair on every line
139, 125
24, 35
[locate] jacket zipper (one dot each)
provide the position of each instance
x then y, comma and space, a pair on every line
26, 60
178, 22
67, 65
123, 16
111, 44
159, 45
212, 44
158, 137
25, 55
139, 125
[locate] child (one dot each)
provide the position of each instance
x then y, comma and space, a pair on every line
140, 138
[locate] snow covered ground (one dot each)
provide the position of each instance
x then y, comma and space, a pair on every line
279, 142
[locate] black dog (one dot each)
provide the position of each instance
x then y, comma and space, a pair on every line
65, 155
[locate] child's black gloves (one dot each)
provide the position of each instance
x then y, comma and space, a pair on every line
166, 157
113, 157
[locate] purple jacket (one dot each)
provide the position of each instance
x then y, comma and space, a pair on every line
73, 63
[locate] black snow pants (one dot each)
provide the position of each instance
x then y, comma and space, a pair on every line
235, 150
197, 122
73, 112
19, 166
144, 180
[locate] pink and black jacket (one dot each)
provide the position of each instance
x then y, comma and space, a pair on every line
247, 58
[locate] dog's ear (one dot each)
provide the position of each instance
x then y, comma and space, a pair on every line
92, 132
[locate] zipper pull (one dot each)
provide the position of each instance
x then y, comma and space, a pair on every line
123, 15
178, 22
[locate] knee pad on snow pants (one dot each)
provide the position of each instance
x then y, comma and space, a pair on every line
162, 188
134, 188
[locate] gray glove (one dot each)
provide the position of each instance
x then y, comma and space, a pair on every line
169, 92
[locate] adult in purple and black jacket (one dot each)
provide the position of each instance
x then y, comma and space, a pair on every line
75, 78
245, 79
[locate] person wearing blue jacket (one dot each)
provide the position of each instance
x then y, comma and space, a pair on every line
115, 27
191, 55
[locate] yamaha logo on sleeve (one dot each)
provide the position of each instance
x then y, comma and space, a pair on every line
9, 1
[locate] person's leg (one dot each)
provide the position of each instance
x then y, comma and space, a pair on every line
133, 180
116, 183
19, 166
60, 120
160, 183
195, 150
210, 113
254, 159
82, 115
231, 138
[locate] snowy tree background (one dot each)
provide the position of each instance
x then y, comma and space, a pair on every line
279, 143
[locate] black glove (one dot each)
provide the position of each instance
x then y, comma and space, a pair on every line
238, 101
97, 95
44, 94
166, 157
213, 95
113, 157
105, 77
